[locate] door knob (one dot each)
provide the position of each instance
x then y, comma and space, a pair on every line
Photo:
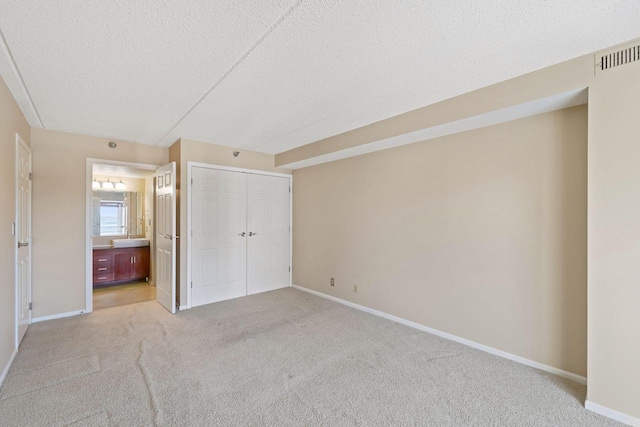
22, 244
242, 234
251, 233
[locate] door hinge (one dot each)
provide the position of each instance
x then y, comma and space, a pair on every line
289, 269
191, 181
289, 189
191, 285
30, 176
30, 306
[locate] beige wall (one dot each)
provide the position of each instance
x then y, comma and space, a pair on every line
12, 121
480, 234
195, 151
614, 241
59, 219
184, 151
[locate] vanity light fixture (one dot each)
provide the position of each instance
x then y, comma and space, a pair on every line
108, 185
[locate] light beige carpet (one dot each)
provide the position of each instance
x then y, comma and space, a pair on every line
278, 358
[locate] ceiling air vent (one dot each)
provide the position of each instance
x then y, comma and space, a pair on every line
620, 56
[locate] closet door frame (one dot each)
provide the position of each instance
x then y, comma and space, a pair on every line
190, 166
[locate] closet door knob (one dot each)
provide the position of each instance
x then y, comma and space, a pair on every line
251, 233
242, 234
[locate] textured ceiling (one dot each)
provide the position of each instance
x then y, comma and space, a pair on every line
275, 75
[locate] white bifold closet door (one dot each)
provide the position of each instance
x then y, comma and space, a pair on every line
240, 234
268, 226
219, 237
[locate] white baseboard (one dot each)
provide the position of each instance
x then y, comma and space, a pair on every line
613, 414
57, 316
6, 368
182, 307
556, 371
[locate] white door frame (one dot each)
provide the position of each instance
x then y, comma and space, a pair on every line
191, 165
88, 240
16, 227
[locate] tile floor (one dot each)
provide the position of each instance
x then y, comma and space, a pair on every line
128, 293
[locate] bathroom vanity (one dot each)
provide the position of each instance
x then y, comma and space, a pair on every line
113, 265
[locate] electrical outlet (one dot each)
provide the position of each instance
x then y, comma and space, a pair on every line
355, 288
333, 282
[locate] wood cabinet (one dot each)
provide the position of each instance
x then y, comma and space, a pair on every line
102, 267
120, 265
141, 264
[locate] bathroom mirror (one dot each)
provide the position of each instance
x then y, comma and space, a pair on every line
117, 213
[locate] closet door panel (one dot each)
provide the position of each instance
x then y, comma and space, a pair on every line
218, 218
268, 211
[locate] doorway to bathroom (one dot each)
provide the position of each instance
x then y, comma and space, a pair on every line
121, 234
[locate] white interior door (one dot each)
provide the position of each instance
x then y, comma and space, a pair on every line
219, 235
23, 238
166, 236
268, 255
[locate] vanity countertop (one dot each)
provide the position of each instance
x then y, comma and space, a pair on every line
99, 247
